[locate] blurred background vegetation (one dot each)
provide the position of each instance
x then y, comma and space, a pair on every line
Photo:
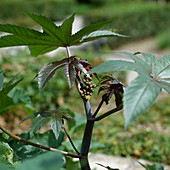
148, 137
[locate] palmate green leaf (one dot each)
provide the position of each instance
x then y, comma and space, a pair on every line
154, 74
47, 72
43, 116
68, 65
52, 36
137, 65
138, 97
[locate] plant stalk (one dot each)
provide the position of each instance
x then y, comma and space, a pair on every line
87, 137
68, 51
39, 146
71, 140
107, 113
98, 108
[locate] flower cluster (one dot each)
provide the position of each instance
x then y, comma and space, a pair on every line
88, 88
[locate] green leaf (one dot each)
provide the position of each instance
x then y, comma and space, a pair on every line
113, 65
12, 80
68, 117
138, 97
1, 79
100, 34
4, 166
68, 65
21, 31
163, 85
41, 49
152, 167
48, 160
75, 39
6, 90
29, 117
143, 165
39, 43
6, 153
4, 137
120, 65
70, 74
6, 104
37, 123
19, 95
52, 36
162, 68
66, 29
34, 43
47, 72
56, 124
141, 93
48, 26
24, 151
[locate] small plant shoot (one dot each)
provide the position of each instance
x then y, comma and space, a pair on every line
153, 76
